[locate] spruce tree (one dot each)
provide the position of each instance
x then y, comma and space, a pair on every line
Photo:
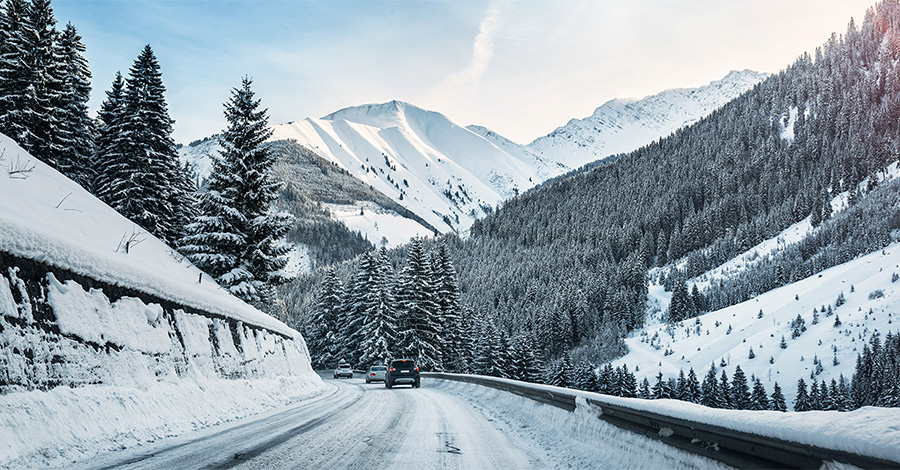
777, 403
709, 390
584, 377
142, 180
724, 399
660, 388
20, 77
324, 323
16, 76
447, 298
419, 334
801, 403
378, 332
740, 391
758, 398
561, 373
72, 149
692, 392
238, 238
106, 142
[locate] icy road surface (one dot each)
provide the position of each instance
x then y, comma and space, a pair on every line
441, 425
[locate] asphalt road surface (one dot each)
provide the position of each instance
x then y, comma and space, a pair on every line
353, 425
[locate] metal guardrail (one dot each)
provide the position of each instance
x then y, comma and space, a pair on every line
729, 446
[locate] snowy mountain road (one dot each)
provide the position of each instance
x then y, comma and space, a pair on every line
354, 425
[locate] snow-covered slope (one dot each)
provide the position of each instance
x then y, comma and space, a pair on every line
46, 217
443, 172
872, 305
623, 125
690, 347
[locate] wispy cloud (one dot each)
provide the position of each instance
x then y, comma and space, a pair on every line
482, 53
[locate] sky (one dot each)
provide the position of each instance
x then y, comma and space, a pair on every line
519, 67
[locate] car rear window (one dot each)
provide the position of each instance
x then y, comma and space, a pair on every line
379, 369
403, 365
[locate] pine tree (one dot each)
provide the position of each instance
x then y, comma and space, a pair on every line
447, 298
801, 403
584, 377
709, 390
740, 391
377, 334
758, 398
72, 139
692, 392
143, 182
16, 74
419, 334
324, 323
778, 402
109, 121
238, 238
561, 373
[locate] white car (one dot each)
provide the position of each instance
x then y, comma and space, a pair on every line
376, 374
343, 370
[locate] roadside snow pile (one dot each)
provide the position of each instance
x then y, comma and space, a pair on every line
46, 217
103, 346
79, 423
868, 431
587, 442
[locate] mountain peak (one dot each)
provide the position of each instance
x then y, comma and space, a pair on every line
623, 124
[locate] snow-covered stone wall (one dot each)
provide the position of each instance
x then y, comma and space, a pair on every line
60, 328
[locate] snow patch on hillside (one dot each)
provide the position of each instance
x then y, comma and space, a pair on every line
381, 227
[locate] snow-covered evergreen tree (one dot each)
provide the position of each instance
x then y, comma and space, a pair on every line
709, 390
447, 298
324, 325
740, 390
758, 398
142, 180
72, 140
378, 332
238, 237
419, 334
16, 36
584, 377
109, 120
561, 373
801, 403
777, 403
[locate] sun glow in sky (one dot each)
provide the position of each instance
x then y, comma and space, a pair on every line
519, 67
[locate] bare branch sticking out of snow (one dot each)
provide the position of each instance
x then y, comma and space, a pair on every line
129, 241
19, 169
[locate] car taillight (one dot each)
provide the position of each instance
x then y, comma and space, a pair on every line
372, 373
392, 369
417, 369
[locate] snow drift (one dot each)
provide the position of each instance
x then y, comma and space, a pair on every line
109, 338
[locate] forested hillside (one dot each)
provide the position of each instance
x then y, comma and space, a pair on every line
567, 262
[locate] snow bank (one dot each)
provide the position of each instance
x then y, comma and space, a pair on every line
868, 431
46, 217
587, 442
62, 425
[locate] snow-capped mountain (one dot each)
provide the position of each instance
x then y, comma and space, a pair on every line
623, 125
445, 173
449, 175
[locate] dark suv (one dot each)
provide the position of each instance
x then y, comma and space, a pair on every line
402, 371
